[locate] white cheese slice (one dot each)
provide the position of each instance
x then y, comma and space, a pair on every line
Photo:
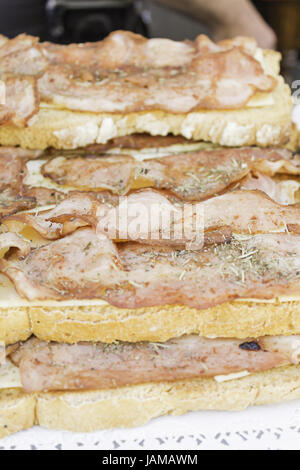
260, 100
227, 377
150, 153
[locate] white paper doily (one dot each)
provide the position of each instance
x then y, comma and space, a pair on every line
274, 427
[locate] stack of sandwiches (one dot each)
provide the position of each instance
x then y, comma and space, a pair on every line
150, 231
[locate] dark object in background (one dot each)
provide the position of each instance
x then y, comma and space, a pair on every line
284, 17
19, 16
66, 21
91, 20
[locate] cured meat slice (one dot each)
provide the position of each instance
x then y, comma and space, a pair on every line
86, 265
58, 366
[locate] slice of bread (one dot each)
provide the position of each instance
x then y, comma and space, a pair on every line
86, 411
100, 321
17, 411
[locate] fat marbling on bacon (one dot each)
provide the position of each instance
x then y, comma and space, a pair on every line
128, 73
22, 56
12, 240
188, 176
148, 216
87, 265
58, 366
13, 170
20, 61
194, 175
12, 201
21, 100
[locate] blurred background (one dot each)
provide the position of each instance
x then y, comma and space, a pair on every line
274, 23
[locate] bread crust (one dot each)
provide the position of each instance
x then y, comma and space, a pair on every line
14, 324
86, 411
106, 323
134, 406
263, 126
17, 411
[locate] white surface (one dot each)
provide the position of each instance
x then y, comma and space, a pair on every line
265, 427
269, 427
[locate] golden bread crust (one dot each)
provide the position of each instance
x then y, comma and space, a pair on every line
106, 323
87, 411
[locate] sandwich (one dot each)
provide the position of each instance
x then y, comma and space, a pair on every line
149, 241
229, 93
100, 330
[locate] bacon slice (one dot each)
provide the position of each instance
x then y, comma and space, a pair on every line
189, 176
128, 73
18, 152
138, 142
11, 240
124, 48
11, 202
21, 42
22, 55
43, 196
283, 192
150, 217
21, 100
85, 265
205, 45
262, 266
78, 249
113, 173
249, 211
13, 195
86, 207
223, 80
58, 366
121, 49
12, 171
